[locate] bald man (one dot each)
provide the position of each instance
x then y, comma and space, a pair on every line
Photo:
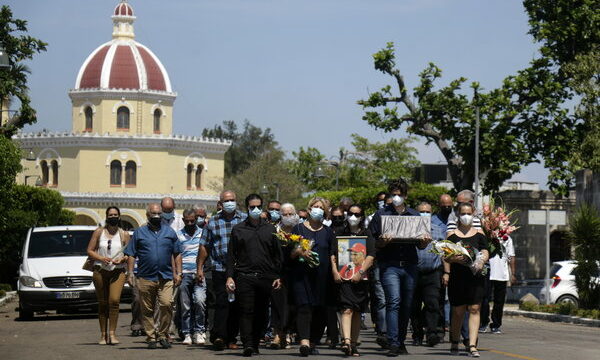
169, 216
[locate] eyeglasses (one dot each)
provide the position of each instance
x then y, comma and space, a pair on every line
355, 214
273, 209
109, 245
254, 207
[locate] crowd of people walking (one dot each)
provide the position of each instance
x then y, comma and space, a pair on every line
202, 280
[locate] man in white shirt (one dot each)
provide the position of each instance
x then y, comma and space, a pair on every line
169, 216
499, 278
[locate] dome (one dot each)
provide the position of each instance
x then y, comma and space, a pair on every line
123, 63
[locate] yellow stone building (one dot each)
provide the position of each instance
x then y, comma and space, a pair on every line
121, 150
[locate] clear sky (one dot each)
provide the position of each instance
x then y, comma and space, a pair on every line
297, 66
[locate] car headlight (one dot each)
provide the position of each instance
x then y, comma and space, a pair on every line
28, 281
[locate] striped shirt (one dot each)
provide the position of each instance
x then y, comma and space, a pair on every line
189, 249
453, 219
216, 235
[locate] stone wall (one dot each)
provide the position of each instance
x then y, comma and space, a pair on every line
530, 240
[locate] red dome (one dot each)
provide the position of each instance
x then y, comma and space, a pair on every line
123, 64
123, 9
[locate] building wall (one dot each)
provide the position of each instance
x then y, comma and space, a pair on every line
588, 188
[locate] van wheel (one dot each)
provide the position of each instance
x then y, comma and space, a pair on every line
568, 299
25, 314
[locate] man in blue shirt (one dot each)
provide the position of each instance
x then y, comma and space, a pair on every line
214, 243
397, 267
156, 248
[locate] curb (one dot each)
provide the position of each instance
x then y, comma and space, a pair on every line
9, 296
554, 317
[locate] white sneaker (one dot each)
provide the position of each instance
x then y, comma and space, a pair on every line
200, 338
187, 340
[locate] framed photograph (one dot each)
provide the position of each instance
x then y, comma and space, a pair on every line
406, 229
352, 252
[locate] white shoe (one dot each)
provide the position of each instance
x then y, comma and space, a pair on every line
187, 340
200, 338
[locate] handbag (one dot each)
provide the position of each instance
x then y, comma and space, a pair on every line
89, 263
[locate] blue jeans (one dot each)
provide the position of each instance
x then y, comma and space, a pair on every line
398, 286
192, 300
378, 302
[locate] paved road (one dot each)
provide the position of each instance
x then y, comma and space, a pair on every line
73, 337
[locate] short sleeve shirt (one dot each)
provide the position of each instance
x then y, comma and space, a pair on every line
153, 250
499, 265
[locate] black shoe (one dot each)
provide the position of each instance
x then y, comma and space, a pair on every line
417, 342
314, 351
382, 341
394, 351
403, 350
255, 351
218, 344
164, 343
433, 340
304, 350
248, 352
152, 345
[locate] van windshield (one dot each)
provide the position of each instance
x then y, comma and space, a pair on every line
59, 243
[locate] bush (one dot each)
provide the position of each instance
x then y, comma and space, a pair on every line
562, 309
6, 287
2, 293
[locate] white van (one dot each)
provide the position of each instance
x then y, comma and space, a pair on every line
50, 275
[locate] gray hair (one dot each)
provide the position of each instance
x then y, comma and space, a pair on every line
188, 212
288, 206
199, 206
467, 194
225, 192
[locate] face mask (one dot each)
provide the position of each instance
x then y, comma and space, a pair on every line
466, 219
425, 214
290, 220
317, 214
255, 213
446, 210
337, 220
112, 221
397, 200
353, 220
275, 215
229, 206
190, 228
155, 221
380, 204
168, 216
301, 219
200, 221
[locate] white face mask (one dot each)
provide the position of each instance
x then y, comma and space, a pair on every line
466, 219
290, 220
353, 220
397, 200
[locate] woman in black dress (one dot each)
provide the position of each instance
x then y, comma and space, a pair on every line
353, 288
309, 285
465, 290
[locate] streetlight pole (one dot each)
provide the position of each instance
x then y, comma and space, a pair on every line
476, 152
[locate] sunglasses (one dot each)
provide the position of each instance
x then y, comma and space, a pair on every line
109, 245
254, 207
272, 209
353, 213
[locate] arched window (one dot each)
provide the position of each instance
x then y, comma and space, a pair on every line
123, 118
190, 170
199, 177
157, 115
115, 173
130, 173
54, 167
45, 175
89, 119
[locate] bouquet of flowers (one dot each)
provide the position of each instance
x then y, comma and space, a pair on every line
497, 224
298, 241
447, 249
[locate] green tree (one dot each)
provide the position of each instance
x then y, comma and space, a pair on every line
304, 164
585, 236
518, 121
247, 144
13, 81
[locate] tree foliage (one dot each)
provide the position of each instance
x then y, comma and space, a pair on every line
13, 81
248, 144
585, 236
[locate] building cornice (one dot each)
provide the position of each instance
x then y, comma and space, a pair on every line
119, 94
158, 141
91, 199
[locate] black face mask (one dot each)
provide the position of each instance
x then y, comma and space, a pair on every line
112, 221
155, 221
190, 229
445, 210
337, 220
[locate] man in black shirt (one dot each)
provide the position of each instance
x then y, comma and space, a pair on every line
253, 271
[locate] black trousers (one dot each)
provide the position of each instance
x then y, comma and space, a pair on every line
253, 293
426, 304
280, 309
311, 322
226, 318
495, 290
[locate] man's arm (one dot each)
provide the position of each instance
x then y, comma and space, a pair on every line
200, 259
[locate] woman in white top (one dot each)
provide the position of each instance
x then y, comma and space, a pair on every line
106, 248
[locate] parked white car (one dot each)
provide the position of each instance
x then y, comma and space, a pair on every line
562, 285
50, 275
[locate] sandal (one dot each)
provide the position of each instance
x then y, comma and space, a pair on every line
473, 352
354, 351
346, 347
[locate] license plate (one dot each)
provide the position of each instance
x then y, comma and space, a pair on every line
68, 295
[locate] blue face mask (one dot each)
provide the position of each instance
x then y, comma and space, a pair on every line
168, 216
425, 214
229, 206
255, 213
380, 204
317, 214
200, 221
275, 215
